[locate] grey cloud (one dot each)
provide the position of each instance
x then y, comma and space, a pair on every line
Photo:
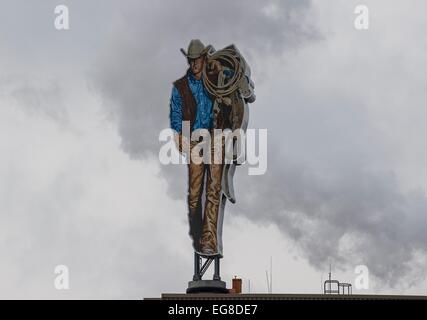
50, 222
326, 186
144, 53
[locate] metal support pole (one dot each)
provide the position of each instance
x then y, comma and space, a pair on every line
199, 270
216, 271
198, 284
196, 276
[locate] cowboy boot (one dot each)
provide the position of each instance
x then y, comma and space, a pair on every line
196, 224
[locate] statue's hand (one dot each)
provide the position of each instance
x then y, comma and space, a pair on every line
215, 67
181, 142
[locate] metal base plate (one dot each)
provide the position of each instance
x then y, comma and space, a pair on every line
206, 286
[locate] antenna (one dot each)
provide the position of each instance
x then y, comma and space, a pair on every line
271, 274
268, 282
270, 279
327, 288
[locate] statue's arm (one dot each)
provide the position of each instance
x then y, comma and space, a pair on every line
175, 115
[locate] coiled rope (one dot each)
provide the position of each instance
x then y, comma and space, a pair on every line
228, 59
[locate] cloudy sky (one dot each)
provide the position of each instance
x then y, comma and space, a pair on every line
80, 115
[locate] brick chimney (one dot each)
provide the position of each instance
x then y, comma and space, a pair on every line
237, 285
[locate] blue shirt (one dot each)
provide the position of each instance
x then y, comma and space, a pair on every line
204, 114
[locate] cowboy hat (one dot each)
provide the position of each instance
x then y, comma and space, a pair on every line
195, 49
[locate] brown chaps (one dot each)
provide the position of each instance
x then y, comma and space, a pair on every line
204, 222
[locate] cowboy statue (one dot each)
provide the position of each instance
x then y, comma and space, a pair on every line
211, 96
